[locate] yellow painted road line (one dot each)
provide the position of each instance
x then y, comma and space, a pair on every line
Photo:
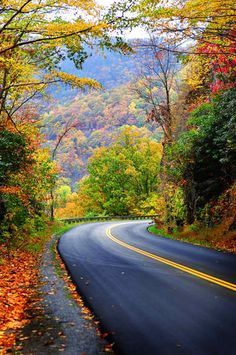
181, 267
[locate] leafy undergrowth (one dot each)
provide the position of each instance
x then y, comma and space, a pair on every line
214, 238
18, 280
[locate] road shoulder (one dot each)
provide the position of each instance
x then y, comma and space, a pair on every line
59, 323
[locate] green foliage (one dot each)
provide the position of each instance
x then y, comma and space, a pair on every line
61, 194
195, 239
58, 228
177, 205
26, 176
122, 176
203, 160
14, 152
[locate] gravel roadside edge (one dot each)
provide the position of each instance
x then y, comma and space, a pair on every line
58, 321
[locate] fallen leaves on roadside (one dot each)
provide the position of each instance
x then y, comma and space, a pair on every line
109, 348
18, 276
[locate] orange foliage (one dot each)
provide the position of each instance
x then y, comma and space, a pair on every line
72, 209
18, 275
13, 190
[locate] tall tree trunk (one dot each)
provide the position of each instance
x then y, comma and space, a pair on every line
2, 209
190, 197
52, 205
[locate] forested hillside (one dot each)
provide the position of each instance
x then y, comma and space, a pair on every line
95, 117
92, 124
109, 68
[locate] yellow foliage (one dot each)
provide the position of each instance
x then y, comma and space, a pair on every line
33, 35
194, 19
72, 209
195, 72
75, 81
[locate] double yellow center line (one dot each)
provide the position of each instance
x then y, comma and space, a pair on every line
181, 267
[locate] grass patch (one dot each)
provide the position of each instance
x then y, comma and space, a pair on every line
193, 239
36, 241
160, 232
59, 228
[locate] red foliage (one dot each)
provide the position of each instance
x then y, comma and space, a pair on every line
223, 61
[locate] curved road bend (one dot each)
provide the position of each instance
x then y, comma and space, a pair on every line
162, 302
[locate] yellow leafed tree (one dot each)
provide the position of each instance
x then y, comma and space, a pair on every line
209, 21
34, 37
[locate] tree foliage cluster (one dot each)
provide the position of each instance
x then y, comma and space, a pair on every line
123, 178
203, 159
27, 174
95, 116
35, 37
187, 91
198, 162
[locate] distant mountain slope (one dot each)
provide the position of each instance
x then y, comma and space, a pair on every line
100, 110
98, 113
111, 69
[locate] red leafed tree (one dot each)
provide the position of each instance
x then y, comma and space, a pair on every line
223, 63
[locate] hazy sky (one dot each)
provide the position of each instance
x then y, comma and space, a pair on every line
137, 33
105, 2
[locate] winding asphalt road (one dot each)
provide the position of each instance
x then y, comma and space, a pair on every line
154, 295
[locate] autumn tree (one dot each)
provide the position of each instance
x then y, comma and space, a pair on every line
26, 177
181, 21
14, 153
157, 88
35, 37
203, 158
122, 176
157, 84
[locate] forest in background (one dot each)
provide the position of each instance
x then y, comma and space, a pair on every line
95, 116
185, 97
148, 129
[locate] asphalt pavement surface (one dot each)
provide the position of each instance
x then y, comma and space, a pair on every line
151, 294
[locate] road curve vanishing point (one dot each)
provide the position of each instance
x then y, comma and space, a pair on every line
196, 273
154, 295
